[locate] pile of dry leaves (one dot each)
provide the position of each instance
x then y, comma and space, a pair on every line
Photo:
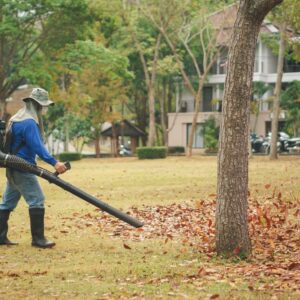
273, 223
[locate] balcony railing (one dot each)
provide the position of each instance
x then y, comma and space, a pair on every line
291, 68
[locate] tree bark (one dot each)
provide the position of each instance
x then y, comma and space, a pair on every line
152, 132
97, 142
114, 141
151, 92
276, 102
2, 109
198, 101
150, 77
210, 54
232, 235
67, 134
163, 115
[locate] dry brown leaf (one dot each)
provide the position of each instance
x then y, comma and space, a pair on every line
126, 246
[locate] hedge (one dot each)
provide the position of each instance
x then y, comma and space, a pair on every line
69, 156
151, 152
176, 149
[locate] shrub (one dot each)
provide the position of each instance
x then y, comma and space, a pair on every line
211, 133
151, 152
176, 149
69, 156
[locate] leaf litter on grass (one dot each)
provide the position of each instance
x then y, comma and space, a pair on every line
273, 224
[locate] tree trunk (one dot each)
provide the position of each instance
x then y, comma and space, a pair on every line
151, 92
67, 135
163, 116
66, 128
97, 142
198, 100
140, 109
2, 109
152, 133
256, 115
232, 235
170, 95
276, 102
114, 141
250, 154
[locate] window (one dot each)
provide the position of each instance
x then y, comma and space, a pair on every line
198, 137
207, 99
291, 65
223, 60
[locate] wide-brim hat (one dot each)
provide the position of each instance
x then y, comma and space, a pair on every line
41, 96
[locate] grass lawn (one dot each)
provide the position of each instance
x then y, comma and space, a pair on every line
97, 257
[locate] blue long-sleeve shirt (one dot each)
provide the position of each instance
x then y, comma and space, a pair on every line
28, 132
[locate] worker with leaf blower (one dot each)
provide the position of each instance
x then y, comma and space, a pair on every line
24, 138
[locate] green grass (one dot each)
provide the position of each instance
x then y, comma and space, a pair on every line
88, 263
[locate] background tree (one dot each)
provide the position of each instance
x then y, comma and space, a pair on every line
290, 101
186, 27
130, 32
167, 71
137, 94
211, 134
27, 29
259, 90
285, 16
80, 132
54, 114
277, 91
84, 68
232, 235
147, 42
105, 97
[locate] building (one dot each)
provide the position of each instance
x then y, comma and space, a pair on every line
211, 106
15, 101
123, 134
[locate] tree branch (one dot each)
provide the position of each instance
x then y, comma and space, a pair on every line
188, 49
156, 52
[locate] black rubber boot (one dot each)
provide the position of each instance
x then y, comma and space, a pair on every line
4, 216
37, 228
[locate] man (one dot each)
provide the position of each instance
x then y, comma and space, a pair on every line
26, 131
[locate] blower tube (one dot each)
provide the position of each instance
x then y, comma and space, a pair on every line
17, 163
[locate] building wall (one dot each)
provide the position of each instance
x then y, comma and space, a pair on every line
258, 123
269, 60
265, 60
265, 70
178, 134
187, 100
